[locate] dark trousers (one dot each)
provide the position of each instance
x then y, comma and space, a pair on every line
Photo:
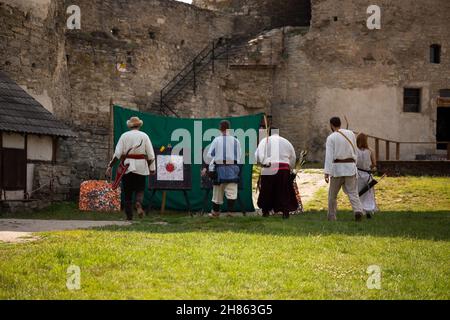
133, 184
277, 193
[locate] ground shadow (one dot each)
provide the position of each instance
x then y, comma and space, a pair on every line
417, 225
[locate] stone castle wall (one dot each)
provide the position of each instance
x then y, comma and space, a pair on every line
126, 51
342, 68
268, 14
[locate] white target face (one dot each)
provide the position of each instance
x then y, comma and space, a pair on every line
169, 168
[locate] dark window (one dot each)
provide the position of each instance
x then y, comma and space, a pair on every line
14, 169
435, 53
444, 93
412, 98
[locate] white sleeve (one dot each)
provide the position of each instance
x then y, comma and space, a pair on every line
260, 153
329, 154
239, 153
258, 150
212, 151
355, 154
119, 149
150, 153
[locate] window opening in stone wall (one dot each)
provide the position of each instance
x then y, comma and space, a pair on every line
435, 53
412, 98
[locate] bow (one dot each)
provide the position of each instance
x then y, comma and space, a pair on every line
346, 121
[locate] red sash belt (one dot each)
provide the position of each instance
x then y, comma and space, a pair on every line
137, 156
279, 166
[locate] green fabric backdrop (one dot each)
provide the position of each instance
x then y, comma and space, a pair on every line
160, 129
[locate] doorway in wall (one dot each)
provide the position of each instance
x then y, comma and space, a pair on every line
443, 120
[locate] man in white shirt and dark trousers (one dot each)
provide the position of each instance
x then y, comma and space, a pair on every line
277, 158
340, 169
225, 158
136, 150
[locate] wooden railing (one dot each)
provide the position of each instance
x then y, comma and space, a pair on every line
387, 143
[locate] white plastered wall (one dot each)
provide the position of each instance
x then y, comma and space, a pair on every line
378, 111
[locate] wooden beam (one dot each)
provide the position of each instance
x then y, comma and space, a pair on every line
377, 149
397, 151
388, 151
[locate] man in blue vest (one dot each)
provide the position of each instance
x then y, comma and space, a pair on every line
225, 158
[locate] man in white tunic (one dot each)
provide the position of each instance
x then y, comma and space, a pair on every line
340, 169
224, 156
136, 150
277, 157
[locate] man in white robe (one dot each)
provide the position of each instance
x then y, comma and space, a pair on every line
277, 158
135, 149
340, 169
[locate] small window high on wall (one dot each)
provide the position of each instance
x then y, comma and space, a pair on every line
412, 98
435, 53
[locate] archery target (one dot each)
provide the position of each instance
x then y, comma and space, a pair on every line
169, 168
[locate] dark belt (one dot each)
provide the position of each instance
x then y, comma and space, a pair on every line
349, 160
137, 156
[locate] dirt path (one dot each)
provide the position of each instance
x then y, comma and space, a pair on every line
21, 230
309, 183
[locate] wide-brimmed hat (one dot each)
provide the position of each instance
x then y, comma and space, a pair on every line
134, 122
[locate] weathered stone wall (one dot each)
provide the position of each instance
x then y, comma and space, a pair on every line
125, 52
241, 84
32, 50
262, 14
342, 68
228, 92
32, 53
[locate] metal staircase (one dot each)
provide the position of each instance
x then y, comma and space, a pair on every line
222, 49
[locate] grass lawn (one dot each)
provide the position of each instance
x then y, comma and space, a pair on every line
247, 258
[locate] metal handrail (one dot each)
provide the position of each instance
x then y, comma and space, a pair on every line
213, 51
188, 67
